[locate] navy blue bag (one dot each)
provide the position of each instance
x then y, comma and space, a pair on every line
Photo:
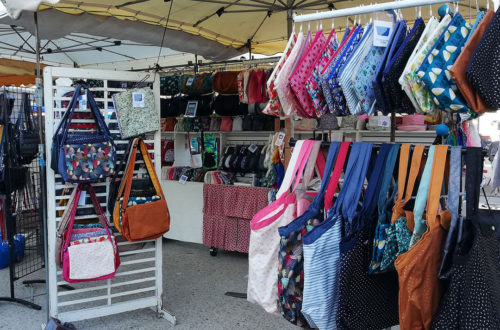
83, 156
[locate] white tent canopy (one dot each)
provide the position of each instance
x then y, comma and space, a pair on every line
87, 39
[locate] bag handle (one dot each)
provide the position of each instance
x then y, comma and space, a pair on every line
139, 144
66, 216
384, 188
423, 190
436, 185
69, 110
402, 172
311, 165
351, 201
333, 151
375, 181
274, 210
337, 172
474, 174
398, 211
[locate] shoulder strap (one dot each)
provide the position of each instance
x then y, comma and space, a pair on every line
474, 173
370, 200
412, 177
69, 110
330, 160
454, 182
386, 180
297, 163
437, 176
66, 216
337, 172
422, 194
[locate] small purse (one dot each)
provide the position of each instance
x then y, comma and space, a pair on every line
140, 218
238, 123
328, 121
215, 123
229, 105
226, 124
28, 133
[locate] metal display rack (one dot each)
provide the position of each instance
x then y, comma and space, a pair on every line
138, 282
22, 227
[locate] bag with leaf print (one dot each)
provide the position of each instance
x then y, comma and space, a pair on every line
136, 112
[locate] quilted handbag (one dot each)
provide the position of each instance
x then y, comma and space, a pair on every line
169, 85
136, 120
194, 85
83, 156
291, 259
89, 261
138, 220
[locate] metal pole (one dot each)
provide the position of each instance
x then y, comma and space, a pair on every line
366, 9
41, 152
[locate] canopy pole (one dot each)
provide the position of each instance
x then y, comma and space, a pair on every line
360, 10
288, 121
41, 153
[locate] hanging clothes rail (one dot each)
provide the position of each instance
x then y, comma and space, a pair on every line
366, 9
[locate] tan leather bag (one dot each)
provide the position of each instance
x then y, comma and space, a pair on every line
419, 286
142, 221
458, 70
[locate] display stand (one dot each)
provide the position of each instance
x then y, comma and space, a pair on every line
138, 282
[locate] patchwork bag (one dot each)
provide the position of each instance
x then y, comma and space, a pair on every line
83, 156
140, 218
90, 259
136, 112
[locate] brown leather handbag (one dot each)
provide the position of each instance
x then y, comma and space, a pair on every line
458, 70
135, 220
419, 286
226, 82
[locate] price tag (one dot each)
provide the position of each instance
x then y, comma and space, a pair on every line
382, 33
252, 148
189, 82
279, 140
83, 197
82, 102
384, 121
183, 179
138, 99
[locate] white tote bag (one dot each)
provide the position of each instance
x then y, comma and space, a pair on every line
264, 238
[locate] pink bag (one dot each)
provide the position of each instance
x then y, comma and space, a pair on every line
264, 238
302, 72
89, 261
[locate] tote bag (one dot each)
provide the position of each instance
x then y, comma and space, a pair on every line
89, 261
136, 112
364, 301
321, 251
291, 260
472, 299
264, 238
419, 267
83, 156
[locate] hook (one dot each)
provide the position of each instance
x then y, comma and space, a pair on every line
487, 5
347, 22
308, 26
293, 28
333, 23
300, 28
420, 11
477, 7
430, 11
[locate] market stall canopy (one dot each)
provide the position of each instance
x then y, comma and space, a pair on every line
215, 29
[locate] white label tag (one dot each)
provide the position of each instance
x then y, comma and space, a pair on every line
382, 33
252, 148
279, 140
138, 100
82, 102
83, 197
183, 179
384, 121
189, 82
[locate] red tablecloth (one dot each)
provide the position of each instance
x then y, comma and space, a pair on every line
227, 211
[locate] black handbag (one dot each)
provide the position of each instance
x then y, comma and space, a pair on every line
229, 105
226, 160
28, 138
205, 104
247, 123
258, 123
